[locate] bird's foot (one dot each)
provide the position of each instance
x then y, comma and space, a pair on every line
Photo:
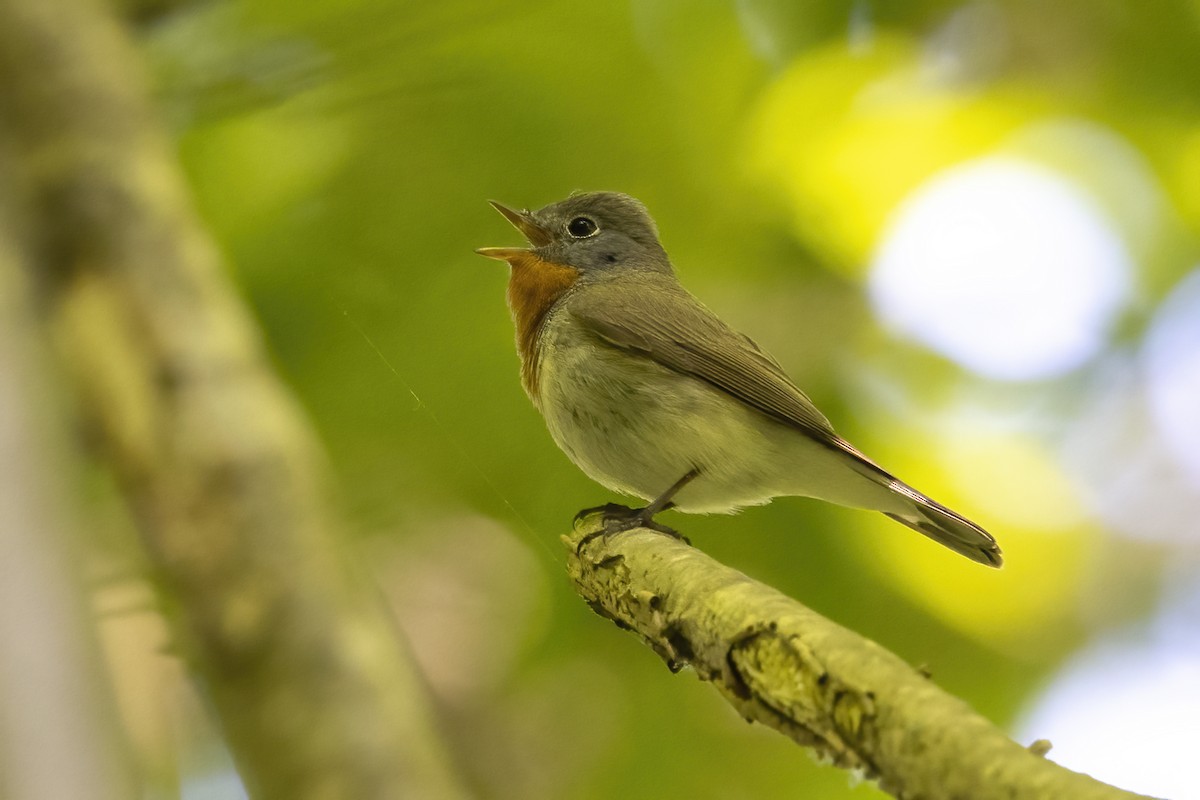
618, 519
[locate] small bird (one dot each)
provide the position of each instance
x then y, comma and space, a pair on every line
652, 395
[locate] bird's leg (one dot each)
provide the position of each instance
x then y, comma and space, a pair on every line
618, 518
663, 501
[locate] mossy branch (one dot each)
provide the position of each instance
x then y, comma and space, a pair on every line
780, 664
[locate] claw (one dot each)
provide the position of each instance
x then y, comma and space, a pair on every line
618, 519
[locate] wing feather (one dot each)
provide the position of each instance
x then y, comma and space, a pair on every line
679, 333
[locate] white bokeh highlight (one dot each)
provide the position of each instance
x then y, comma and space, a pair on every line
1117, 452
1124, 710
1171, 359
1004, 267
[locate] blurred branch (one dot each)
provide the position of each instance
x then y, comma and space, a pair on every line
305, 671
58, 735
781, 664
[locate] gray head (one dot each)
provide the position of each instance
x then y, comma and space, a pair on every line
594, 232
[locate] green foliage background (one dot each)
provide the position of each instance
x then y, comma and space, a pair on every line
343, 153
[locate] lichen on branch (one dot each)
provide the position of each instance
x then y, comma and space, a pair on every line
783, 665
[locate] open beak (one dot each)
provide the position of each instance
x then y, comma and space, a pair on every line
522, 221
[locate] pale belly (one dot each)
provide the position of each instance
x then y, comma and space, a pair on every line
637, 427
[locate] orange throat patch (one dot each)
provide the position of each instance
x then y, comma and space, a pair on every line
534, 286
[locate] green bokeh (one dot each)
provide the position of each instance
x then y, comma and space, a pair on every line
343, 154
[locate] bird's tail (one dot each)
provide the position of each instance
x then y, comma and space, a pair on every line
948, 528
906, 505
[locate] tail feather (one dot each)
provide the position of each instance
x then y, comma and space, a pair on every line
909, 507
952, 530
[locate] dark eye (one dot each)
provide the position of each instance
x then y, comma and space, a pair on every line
582, 228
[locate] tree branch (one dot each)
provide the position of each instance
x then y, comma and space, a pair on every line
57, 735
783, 665
315, 693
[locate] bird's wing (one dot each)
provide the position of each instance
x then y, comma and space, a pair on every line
678, 332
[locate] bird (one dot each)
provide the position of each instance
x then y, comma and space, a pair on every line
652, 395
